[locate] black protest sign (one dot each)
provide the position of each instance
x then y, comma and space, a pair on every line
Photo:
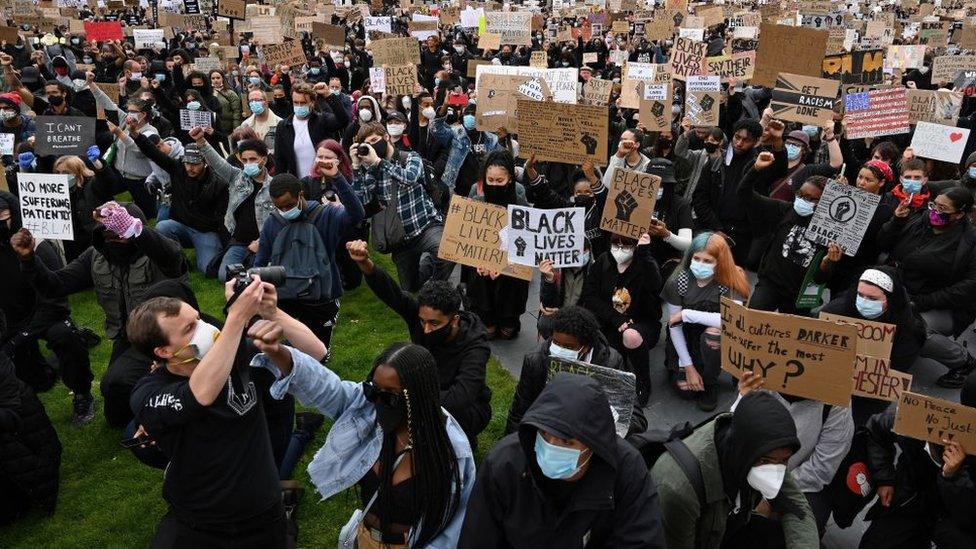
620, 387
61, 135
842, 215
856, 67
804, 99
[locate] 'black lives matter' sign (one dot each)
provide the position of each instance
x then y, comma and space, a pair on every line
61, 135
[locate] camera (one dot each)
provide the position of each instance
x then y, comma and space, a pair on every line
274, 275
362, 150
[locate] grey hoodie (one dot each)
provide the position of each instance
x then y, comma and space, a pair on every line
159, 175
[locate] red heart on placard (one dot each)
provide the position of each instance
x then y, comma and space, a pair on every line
955, 136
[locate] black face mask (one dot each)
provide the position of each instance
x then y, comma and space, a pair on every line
438, 337
55, 101
583, 200
390, 417
120, 253
500, 195
452, 118
5, 234
710, 147
381, 148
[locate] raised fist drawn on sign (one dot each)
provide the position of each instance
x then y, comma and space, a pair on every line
626, 204
520, 246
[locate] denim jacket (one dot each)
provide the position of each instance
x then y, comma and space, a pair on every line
240, 187
354, 442
460, 147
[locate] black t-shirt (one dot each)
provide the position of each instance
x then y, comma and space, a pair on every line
246, 225
221, 467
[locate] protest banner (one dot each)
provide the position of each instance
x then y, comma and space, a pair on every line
777, 52
873, 338
289, 52
63, 135
796, 356
732, 68
232, 9
655, 107
377, 79
561, 82
619, 386
702, 97
514, 27
636, 73
45, 204
381, 24
876, 113
687, 58
938, 142
874, 378
905, 57
400, 79
191, 119
856, 67
557, 132
944, 68
266, 29
471, 237
630, 203
936, 106
804, 99
596, 91
102, 31
148, 38
395, 51
534, 235
332, 35
539, 60
935, 420
842, 215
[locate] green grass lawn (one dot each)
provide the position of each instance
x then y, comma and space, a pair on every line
109, 499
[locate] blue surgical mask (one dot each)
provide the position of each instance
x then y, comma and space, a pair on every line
557, 351
869, 308
257, 107
585, 258
193, 105
811, 131
793, 152
301, 112
437, 82
556, 462
252, 170
255, 80
702, 270
911, 186
335, 92
291, 214
802, 207
160, 77
971, 172
469, 122
314, 71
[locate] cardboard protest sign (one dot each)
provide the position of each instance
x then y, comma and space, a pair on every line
266, 29
191, 119
471, 238
377, 79
498, 96
395, 51
630, 203
731, 68
620, 387
856, 67
842, 215
804, 99
514, 27
796, 356
232, 9
596, 91
965, 37
534, 235
905, 57
702, 100
290, 53
45, 204
873, 338
655, 107
944, 68
936, 106
697, 35
777, 53
636, 73
148, 38
539, 60
490, 41
381, 24
876, 113
206, 64
687, 58
557, 132
103, 30
561, 82
63, 135
935, 420
939, 142
400, 79
331, 35
874, 378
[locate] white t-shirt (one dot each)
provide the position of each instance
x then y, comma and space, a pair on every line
304, 149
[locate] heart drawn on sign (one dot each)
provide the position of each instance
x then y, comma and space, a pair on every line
955, 136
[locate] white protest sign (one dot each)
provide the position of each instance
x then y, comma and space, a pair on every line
381, 24
534, 235
148, 38
6, 143
562, 82
532, 89
470, 17
45, 205
191, 119
842, 215
697, 84
938, 142
694, 34
655, 92
377, 79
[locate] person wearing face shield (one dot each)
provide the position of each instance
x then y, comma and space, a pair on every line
743, 457
564, 479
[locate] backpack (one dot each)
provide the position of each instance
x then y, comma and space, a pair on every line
653, 443
386, 227
299, 248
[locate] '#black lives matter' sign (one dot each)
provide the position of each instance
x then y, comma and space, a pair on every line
61, 135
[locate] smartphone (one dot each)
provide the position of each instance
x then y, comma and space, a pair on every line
133, 442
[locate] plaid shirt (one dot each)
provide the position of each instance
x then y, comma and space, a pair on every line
414, 206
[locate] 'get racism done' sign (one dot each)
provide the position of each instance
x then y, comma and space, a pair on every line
62, 135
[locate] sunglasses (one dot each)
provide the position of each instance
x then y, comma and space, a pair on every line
374, 394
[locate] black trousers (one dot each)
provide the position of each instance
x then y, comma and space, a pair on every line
915, 531
768, 298
66, 345
321, 317
125, 368
141, 196
258, 533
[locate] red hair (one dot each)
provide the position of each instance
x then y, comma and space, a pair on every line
345, 166
727, 273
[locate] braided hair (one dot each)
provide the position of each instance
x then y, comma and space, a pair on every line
437, 480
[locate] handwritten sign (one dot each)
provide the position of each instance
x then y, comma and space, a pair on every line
290, 53
62, 135
935, 420
777, 53
735, 67
471, 237
874, 378
630, 203
620, 387
539, 59
804, 99
688, 58
45, 205
596, 91
232, 9
842, 215
395, 51
936, 106
148, 38
535, 235
513, 27
796, 356
873, 338
400, 80
557, 132
103, 30
702, 100
939, 142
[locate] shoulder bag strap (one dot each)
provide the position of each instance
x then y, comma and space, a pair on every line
689, 465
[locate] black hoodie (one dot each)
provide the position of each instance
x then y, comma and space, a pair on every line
614, 504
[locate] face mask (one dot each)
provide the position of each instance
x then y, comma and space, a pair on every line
75, 41
937, 219
79, 83
406, 102
556, 462
622, 256
314, 71
437, 337
702, 270
971, 172
381, 148
133, 118
87, 60
911, 186
793, 152
389, 417
335, 92
802, 207
469, 122
811, 131
302, 111
136, 76
252, 170
61, 71
429, 113
767, 479
7, 115
711, 147
254, 80
459, 49
869, 308
583, 200
55, 101
257, 107
71, 180
585, 258
660, 193
928, 452
201, 342
365, 115
564, 63
160, 77
558, 351
193, 105
437, 82
395, 130
191, 45
923, 69
291, 214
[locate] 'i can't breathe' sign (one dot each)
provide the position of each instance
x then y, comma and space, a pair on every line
45, 205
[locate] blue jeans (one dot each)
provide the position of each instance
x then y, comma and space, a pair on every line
162, 212
236, 253
207, 245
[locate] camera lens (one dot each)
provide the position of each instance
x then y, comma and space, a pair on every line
363, 150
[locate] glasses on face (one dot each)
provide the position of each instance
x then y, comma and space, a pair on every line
935, 206
374, 394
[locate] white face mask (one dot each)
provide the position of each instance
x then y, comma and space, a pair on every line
406, 102
202, 341
395, 130
767, 479
623, 256
79, 83
365, 115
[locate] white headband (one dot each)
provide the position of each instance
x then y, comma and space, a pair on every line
879, 279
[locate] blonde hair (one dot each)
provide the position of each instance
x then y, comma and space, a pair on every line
74, 165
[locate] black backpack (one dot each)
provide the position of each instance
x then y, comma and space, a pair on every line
653, 443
